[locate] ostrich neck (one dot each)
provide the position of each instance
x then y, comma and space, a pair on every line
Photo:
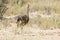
28, 10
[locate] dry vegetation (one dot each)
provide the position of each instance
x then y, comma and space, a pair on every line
39, 20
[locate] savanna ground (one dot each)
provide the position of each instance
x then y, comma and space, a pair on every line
43, 24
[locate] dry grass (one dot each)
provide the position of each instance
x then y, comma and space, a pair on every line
39, 20
37, 5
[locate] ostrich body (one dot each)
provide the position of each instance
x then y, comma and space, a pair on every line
22, 20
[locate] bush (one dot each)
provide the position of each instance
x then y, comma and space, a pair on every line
2, 10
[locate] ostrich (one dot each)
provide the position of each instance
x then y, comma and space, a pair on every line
23, 19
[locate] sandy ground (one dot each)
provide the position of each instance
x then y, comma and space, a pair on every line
29, 33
